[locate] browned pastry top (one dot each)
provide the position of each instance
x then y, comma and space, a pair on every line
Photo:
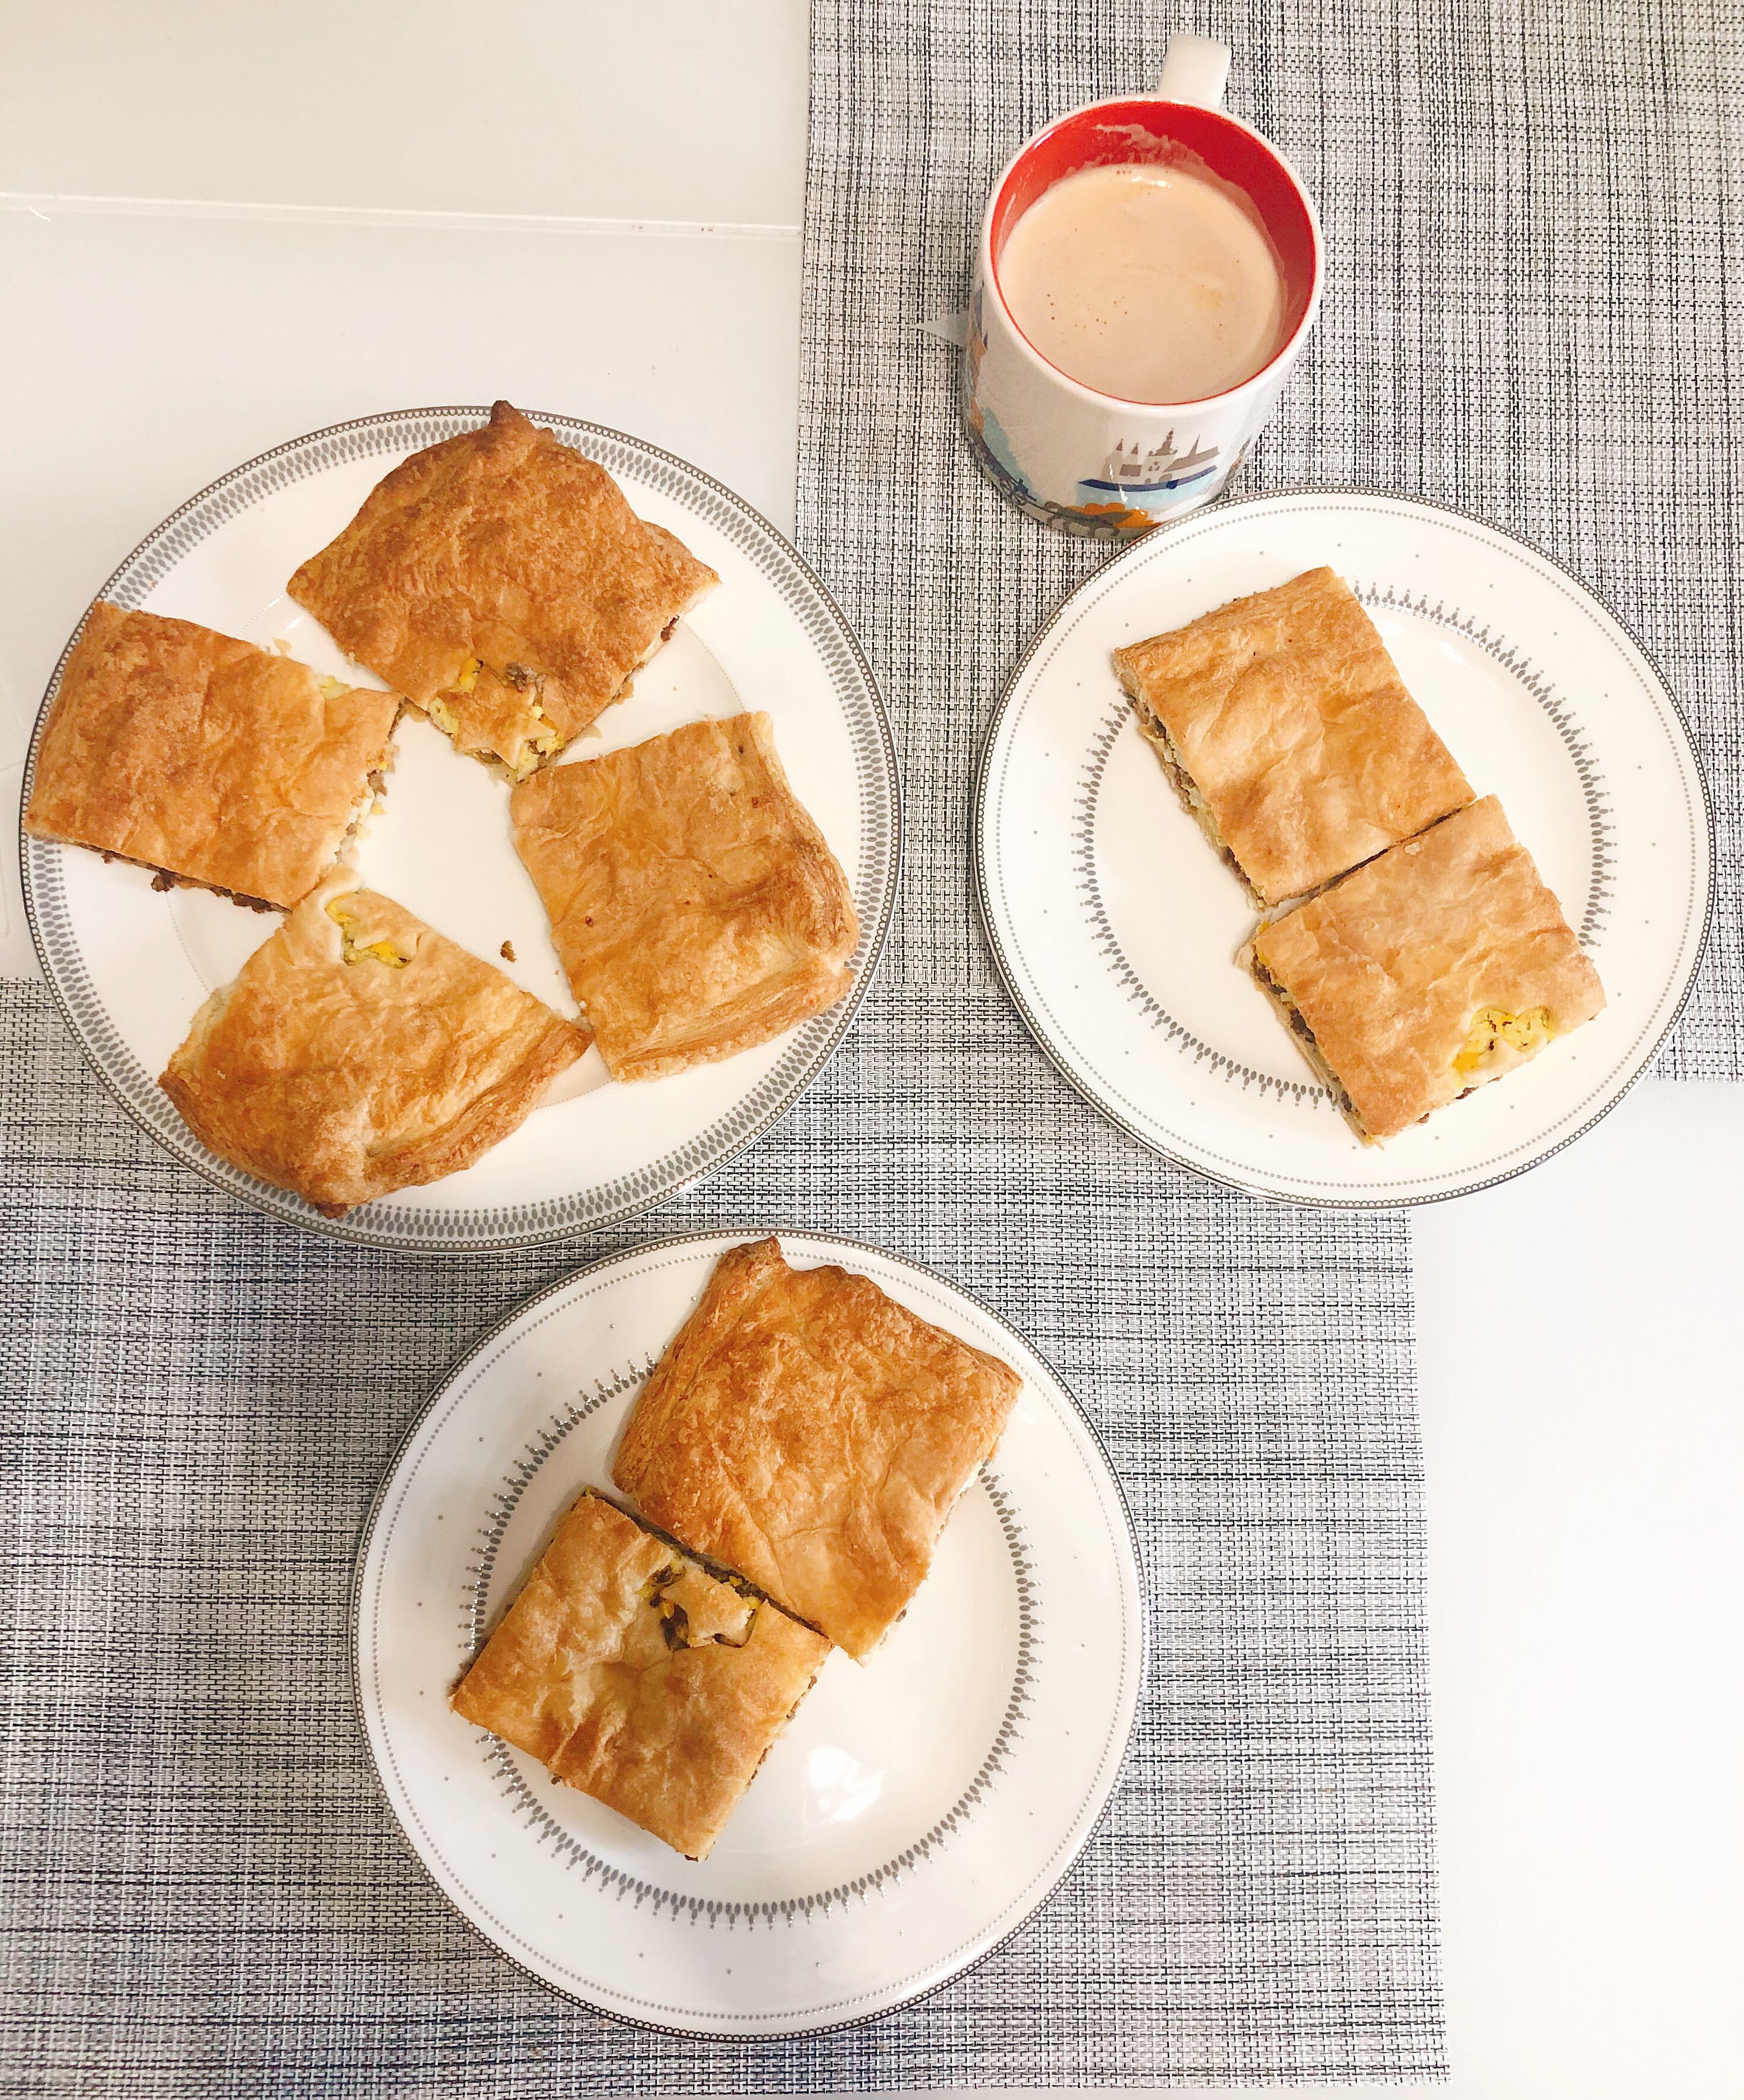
808, 1431
501, 580
188, 751
637, 1676
695, 906
1287, 714
1414, 972
357, 1051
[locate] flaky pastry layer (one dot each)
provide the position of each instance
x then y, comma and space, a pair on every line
1285, 727
217, 762
500, 581
357, 1051
695, 906
636, 1675
1441, 965
806, 1429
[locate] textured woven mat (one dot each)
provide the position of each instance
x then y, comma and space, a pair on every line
1534, 228
200, 1888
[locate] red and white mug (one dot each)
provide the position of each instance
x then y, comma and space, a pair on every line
1088, 462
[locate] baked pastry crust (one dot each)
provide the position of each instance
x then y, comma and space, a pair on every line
808, 1431
357, 1051
694, 905
1284, 726
1436, 969
500, 580
205, 757
632, 1674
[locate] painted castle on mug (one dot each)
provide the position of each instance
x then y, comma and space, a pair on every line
1134, 474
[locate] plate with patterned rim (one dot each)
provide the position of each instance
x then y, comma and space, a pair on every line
1115, 926
130, 965
918, 1808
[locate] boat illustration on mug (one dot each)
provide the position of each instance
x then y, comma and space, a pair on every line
1137, 478
1138, 487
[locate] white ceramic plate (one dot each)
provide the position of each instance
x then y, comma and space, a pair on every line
130, 965
918, 1809
1115, 925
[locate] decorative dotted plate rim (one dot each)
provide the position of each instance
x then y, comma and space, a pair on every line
1641, 1054
1057, 1868
421, 1230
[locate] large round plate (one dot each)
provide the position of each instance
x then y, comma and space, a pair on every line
1115, 925
918, 1809
130, 965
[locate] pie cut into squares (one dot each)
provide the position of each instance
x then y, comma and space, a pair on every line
695, 906
205, 758
357, 1051
806, 1430
1284, 727
634, 1675
1441, 965
499, 581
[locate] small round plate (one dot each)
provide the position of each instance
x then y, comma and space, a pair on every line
1116, 926
918, 1808
130, 965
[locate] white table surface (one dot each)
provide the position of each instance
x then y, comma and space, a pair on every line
225, 226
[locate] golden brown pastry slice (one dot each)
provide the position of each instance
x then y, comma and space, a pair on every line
357, 1051
1283, 725
205, 758
808, 1431
635, 1675
1438, 967
500, 580
695, 906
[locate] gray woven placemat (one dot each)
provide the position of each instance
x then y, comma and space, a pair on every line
200, 1888
1534, 228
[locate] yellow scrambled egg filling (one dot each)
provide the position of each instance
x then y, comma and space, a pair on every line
705, 1619
538, 744
332, 687
380, 951
1494, 1026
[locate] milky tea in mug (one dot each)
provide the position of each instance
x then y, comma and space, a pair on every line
1152, 282
1148, 272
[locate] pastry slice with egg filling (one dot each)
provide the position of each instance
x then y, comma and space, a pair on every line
1285, 728
1438, 967
696, 908
205, 759
632, 1673
499, 581
808, 1431
357, 1051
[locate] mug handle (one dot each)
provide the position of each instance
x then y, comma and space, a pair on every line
1194, 69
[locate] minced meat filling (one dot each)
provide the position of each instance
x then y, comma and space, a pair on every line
1163, 744
1316, 1057
163, 879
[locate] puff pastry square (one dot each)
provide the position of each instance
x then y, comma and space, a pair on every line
359, 1052
637, 1676
808, 1431
205, 758
1437, 967
500, 580
694, 905
1283, 725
